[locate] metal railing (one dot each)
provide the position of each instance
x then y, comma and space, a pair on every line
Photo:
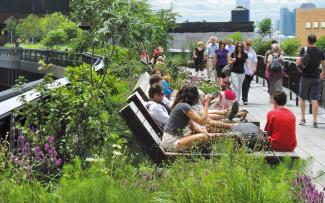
293, 80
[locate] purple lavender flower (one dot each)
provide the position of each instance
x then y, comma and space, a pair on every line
58, 162
46, 147
50, 139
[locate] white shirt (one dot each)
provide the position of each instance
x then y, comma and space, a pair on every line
231, 48
158, 112
252, 57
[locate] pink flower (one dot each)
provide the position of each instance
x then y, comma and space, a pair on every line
58, 162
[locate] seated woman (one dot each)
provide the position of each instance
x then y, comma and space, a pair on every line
182, 115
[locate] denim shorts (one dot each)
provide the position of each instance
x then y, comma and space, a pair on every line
309, 88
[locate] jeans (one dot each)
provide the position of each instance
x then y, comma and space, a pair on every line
237, 82
246, 85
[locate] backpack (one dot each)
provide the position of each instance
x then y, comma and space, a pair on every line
305, 60
276, 65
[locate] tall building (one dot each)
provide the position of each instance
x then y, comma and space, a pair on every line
287, 22
243, 3
240, 14
308, 5
310, 21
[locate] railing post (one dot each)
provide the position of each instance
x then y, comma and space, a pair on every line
297, 101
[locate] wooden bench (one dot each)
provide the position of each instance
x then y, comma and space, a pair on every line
142, 86
151, 142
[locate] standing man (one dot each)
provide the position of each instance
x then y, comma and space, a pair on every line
212, 57
230, 46
310, 78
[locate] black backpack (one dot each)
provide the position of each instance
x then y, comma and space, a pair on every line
305, 60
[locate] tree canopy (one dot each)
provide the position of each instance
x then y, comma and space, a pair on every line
265, 27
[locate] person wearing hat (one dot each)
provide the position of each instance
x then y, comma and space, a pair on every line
227, 96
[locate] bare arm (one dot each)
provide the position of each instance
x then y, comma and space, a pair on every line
197, 118
322, 74
196, 128
247, 65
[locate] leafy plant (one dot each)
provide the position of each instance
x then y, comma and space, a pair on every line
54, 38
321, 42
265, 27
291, 46
11, 24
29, 28
261, 46
236, 37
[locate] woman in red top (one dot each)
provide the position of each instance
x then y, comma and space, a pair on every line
281, 125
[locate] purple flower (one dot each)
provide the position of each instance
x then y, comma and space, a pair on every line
50, 139
46, 147
58, 162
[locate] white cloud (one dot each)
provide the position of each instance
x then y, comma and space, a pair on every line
220, 10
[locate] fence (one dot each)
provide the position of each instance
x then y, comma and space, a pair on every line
292, 82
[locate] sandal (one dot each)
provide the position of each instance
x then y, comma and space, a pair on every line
302, 122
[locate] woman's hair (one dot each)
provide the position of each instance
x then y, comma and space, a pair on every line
222, 42
200, 43
167, 78
188, 94
276, 48
249, 42
161, 58
237, 50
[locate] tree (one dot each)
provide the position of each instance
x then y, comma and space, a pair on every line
236, 37
291, 46
54, 38
29, 28
11, 24
265, 27
321, 43
261, 46
51, 22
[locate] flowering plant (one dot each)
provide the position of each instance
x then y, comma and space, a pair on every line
305, 190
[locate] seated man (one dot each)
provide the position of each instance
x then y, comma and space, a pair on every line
281, 125
156, 108
156, 79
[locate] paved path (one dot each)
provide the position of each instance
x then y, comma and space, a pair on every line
311, 141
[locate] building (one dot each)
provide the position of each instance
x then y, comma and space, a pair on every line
308, 5
188, 32
243, 3
310, 21
240, 14
287, 22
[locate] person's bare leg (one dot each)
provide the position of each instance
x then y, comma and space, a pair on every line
219, 112
188, 141
215, 117
303, 109
314, 110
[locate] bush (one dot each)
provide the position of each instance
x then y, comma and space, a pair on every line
291, 46
260, 46
321, 43
54, 38
236, 36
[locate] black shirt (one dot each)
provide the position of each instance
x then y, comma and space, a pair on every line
238, 66
200, 56
316, 56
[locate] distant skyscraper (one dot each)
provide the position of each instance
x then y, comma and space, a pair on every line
240, 14
308, 5
243, 3
287, 22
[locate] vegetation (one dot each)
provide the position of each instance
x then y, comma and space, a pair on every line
11, 24
28, 28
261, 46
321, 42
291, 46
236, 36
264, 28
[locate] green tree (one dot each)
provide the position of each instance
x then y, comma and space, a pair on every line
236, 36
321, 43
265, 27
11, 24
29, 28
261, 46
54, 38
51, 22
291, 46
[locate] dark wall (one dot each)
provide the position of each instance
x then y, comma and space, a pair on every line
199, 27
240, 15
34, 6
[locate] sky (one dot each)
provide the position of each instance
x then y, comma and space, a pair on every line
220, 10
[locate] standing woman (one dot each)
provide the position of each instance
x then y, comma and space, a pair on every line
222, 58
252, 57
275, 65
198, 56
238, 59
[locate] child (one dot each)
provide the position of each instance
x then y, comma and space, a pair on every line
198, 56
227, 96
165, 83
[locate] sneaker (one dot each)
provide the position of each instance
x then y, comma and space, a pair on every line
233, 111
245, 103
315, 125
302, 122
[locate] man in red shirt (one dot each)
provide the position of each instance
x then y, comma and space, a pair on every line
281, 125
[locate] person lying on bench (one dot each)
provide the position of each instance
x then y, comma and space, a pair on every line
156, 108
182, 115
281, 125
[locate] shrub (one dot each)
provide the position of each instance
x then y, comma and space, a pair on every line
291, 46
54, 38
261, 46
321, 42
29, 28
236, 36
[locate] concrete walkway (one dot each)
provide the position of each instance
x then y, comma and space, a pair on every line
311, 141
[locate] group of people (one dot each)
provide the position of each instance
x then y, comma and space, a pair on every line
222, 58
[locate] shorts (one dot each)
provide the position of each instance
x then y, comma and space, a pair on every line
169, 142
219, 71
309, 88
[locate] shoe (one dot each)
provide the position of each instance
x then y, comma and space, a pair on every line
245, 102
302, 122
233, 111
315, 125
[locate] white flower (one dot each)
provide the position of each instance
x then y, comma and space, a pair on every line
117, 153
117, 146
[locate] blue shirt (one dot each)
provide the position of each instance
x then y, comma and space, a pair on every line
167, 90
231, 48
212, 50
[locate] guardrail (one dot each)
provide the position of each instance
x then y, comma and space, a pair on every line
292, 82
64, 59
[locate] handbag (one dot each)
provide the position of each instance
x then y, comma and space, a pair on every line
305, 61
